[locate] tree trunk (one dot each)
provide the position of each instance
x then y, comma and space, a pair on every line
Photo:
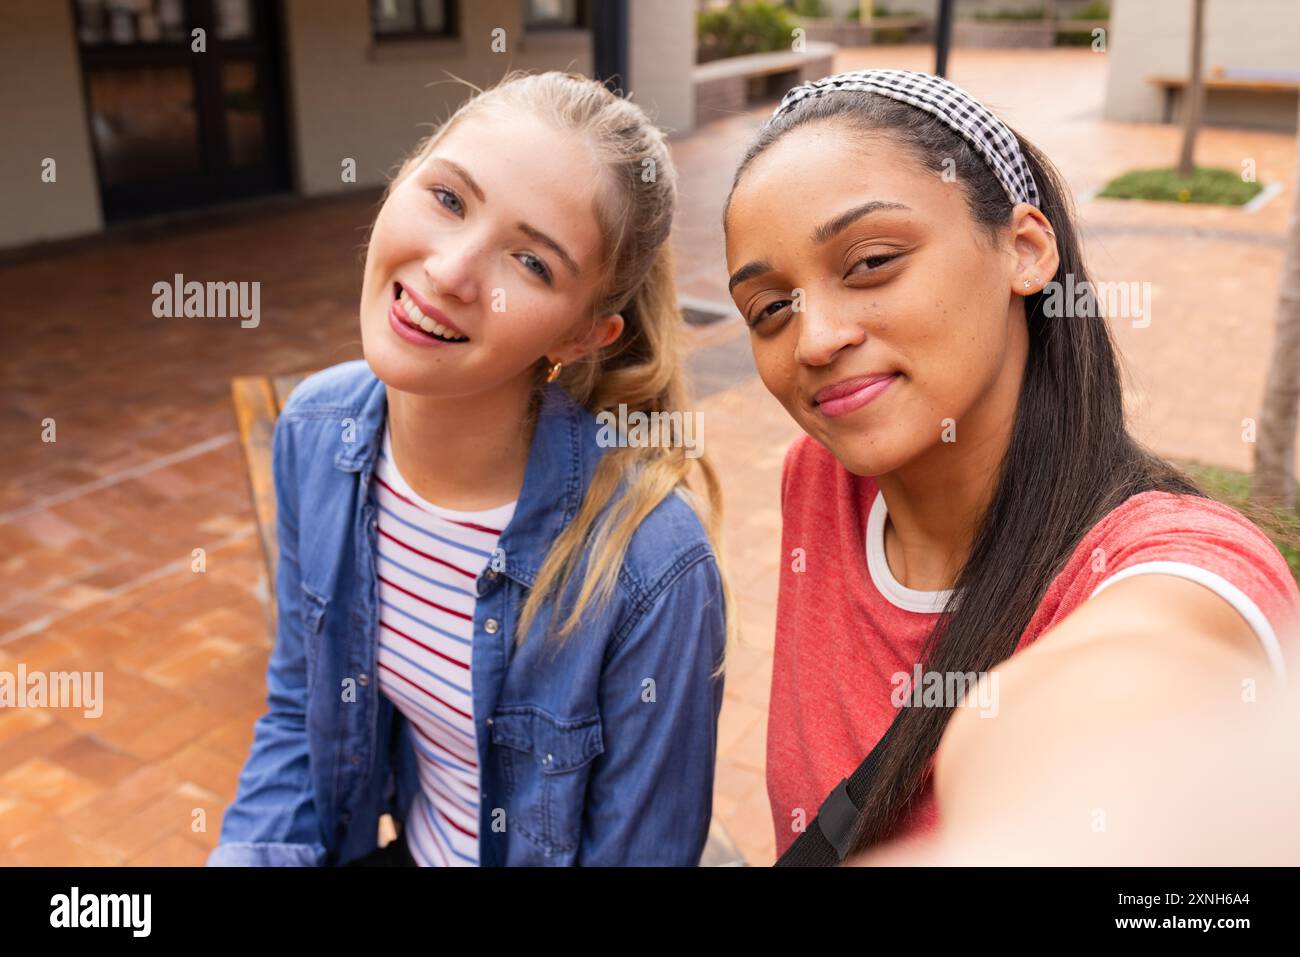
1274, 481
1195, 94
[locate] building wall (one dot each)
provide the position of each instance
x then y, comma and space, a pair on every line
661, 38
346, 96
1148, 38
41, 114
351, 98
840, 9
968, 8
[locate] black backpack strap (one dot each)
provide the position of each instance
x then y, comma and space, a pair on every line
825, 842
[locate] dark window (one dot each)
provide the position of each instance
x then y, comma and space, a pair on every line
405, 19
172, 129
127, 22
555, 15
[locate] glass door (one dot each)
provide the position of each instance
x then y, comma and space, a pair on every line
172, 126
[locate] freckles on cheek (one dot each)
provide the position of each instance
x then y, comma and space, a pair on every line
776, 373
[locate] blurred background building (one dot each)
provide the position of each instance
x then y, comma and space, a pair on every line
285, 92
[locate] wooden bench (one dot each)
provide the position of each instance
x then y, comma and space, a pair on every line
258, 401
905, 22
878, 30
1275, 83
1081, 26
731, 85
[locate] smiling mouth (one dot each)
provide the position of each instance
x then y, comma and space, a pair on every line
851, 394
415, 318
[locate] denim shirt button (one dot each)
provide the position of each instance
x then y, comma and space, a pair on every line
356, 759
546, 761
490, 626
363, 679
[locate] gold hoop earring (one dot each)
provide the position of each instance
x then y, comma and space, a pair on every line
555, 371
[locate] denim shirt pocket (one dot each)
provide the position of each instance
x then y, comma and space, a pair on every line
313, 619
545, 762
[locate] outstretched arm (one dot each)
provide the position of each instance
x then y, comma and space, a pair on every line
1146, 728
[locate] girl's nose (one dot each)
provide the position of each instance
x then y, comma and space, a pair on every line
823, 333
453, 272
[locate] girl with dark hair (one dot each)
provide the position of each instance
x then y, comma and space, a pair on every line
967, 485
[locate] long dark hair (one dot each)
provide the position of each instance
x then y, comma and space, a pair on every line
1070, 460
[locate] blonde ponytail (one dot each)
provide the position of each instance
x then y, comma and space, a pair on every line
642, 370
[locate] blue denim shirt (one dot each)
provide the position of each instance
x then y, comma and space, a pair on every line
602, 753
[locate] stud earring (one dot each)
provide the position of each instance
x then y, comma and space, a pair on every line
555, 371
1027, 283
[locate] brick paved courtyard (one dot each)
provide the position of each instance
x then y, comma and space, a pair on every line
97, 529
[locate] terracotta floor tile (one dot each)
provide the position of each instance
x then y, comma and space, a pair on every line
236, 689
23, 611
751, 828
201, 658
233, 738
96, 761
50, 844
736, 719
19, 816
47, 783
153, 739
171, 813
246, 627
150, 648
123, 800
42, 740
18, 722
735, 784
131, 704
208, 769
175, 850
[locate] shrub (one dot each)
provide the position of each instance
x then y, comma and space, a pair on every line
755, 27
1033, 13
1095, 10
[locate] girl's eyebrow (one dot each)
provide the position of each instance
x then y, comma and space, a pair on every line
531, 232
463, 173
822, 234
756, 267
830, 229
537, 236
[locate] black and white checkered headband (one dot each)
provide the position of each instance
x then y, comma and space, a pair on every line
954, 106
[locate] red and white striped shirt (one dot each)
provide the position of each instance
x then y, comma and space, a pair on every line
429, 558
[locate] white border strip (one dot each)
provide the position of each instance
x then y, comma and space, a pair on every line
894, 591
1229, 592
1262, 198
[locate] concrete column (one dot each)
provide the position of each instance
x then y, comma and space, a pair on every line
661, 58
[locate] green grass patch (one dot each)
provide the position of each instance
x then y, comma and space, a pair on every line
1233, 489
1094, 10
1205, 185
1033, 13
